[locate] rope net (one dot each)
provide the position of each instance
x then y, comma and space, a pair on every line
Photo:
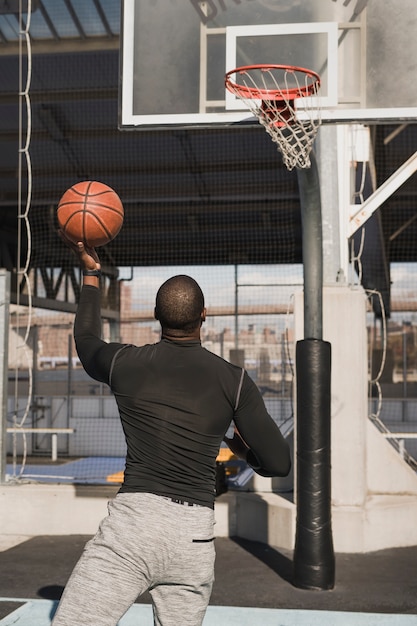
285, 102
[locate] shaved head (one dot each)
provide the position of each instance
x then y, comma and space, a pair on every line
180, 305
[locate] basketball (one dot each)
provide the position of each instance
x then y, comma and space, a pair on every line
91, 212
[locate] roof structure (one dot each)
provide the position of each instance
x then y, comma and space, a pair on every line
165, 177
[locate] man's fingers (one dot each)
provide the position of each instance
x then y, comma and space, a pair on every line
88, 256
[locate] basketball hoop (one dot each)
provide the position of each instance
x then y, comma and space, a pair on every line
284, 99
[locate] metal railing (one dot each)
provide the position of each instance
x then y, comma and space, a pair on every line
397, 440
54, 432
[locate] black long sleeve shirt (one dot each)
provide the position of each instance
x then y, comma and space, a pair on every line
176, 402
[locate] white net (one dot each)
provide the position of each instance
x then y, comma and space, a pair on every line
23, 315
286, 102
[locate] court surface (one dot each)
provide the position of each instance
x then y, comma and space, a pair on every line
38, 613
253, 586
96, 470
93, 470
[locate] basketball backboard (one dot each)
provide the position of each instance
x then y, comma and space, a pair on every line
175, 53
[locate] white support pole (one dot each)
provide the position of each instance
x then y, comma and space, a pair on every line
54, 455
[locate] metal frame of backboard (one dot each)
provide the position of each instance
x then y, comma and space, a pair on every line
334, 108
330, 29
127, 116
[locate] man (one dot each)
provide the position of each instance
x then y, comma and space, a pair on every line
176, 402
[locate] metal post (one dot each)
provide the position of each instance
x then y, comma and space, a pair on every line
34, 399
69, 390
4, 346
236, 309
405, 368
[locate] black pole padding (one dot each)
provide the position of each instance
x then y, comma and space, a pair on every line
314, 561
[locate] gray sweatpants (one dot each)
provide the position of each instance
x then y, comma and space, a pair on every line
146, 542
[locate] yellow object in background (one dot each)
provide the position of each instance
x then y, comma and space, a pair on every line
225, 455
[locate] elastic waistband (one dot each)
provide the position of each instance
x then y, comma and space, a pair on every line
179, 501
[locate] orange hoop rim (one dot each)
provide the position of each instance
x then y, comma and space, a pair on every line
259, 93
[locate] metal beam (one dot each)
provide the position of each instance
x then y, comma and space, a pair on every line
53, 46
360, 213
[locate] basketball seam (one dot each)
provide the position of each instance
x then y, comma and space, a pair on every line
83, 229
97, 204
99, 221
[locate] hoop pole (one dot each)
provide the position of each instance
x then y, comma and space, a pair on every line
312, 242
314, 564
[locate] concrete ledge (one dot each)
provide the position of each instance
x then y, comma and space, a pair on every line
225, 514
270, 518
34, 509
383, 522
266, 517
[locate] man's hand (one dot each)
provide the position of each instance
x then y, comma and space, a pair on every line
88, 257
237, 445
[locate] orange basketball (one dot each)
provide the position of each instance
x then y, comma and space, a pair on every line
90, 212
